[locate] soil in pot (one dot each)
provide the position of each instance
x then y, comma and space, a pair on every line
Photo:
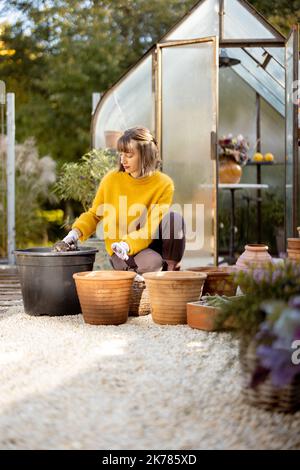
169, 293
104, 296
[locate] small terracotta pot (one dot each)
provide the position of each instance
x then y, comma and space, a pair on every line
111, 138
169, 293
219, 280
230, 172
294, 244
201, 316
254, 256
104, 296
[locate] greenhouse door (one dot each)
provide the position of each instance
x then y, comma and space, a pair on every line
186, 129
292, 206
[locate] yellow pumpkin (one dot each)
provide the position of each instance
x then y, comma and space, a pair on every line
269, 157
258, 157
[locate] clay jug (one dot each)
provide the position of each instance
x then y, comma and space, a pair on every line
255, 255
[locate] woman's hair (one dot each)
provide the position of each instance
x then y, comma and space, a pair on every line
146, 145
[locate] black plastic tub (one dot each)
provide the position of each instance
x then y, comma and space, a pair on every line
46, 277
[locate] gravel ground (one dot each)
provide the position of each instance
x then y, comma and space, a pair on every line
68, 385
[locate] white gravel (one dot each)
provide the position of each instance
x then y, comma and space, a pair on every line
68, 385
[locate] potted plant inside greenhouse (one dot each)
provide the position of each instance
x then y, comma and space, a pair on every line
79, 182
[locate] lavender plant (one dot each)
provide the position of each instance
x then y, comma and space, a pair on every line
272, 282
274, 343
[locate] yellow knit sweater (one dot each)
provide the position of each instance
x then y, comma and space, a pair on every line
129, 208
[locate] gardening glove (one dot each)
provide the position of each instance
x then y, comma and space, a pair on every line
120, 249
69, 243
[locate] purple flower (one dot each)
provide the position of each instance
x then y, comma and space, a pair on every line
279, 363
276, 275
294, 302
258, 275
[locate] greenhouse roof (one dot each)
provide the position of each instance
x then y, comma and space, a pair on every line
233, 21
241, 30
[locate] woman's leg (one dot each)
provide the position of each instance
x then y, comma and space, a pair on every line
143, 262
165, 252
171, 241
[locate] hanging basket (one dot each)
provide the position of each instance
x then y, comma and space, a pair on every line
139, 300
265, 395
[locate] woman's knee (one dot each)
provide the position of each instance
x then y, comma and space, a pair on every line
117, 263
148, 260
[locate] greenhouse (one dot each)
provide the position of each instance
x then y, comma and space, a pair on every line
223, 69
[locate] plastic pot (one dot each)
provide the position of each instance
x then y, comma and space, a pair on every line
47, 281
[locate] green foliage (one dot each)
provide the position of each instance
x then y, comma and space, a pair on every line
79, 181
279, 281
272, 215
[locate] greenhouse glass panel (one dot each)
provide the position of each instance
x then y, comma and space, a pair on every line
234, 117
277, 53
240, 23
275, 69
203, 21
189, 113
259, 79
128, 104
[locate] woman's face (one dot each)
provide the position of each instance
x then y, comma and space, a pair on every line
131, 161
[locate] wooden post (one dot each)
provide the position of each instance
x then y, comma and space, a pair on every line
10, 176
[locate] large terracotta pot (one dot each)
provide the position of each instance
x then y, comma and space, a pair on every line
104, 296
254, 256
219, 280
294, 244
230, 172
169, 293
111, 138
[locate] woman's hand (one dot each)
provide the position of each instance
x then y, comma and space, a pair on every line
120, 249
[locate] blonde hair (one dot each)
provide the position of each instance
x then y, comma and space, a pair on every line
146, 145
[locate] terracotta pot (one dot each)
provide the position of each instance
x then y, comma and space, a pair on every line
104, 296
169, 293
293, 254
294, 244
111, 138
230, 172
219, 280
253, 256
201, 316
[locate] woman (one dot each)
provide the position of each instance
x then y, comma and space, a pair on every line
155, 239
